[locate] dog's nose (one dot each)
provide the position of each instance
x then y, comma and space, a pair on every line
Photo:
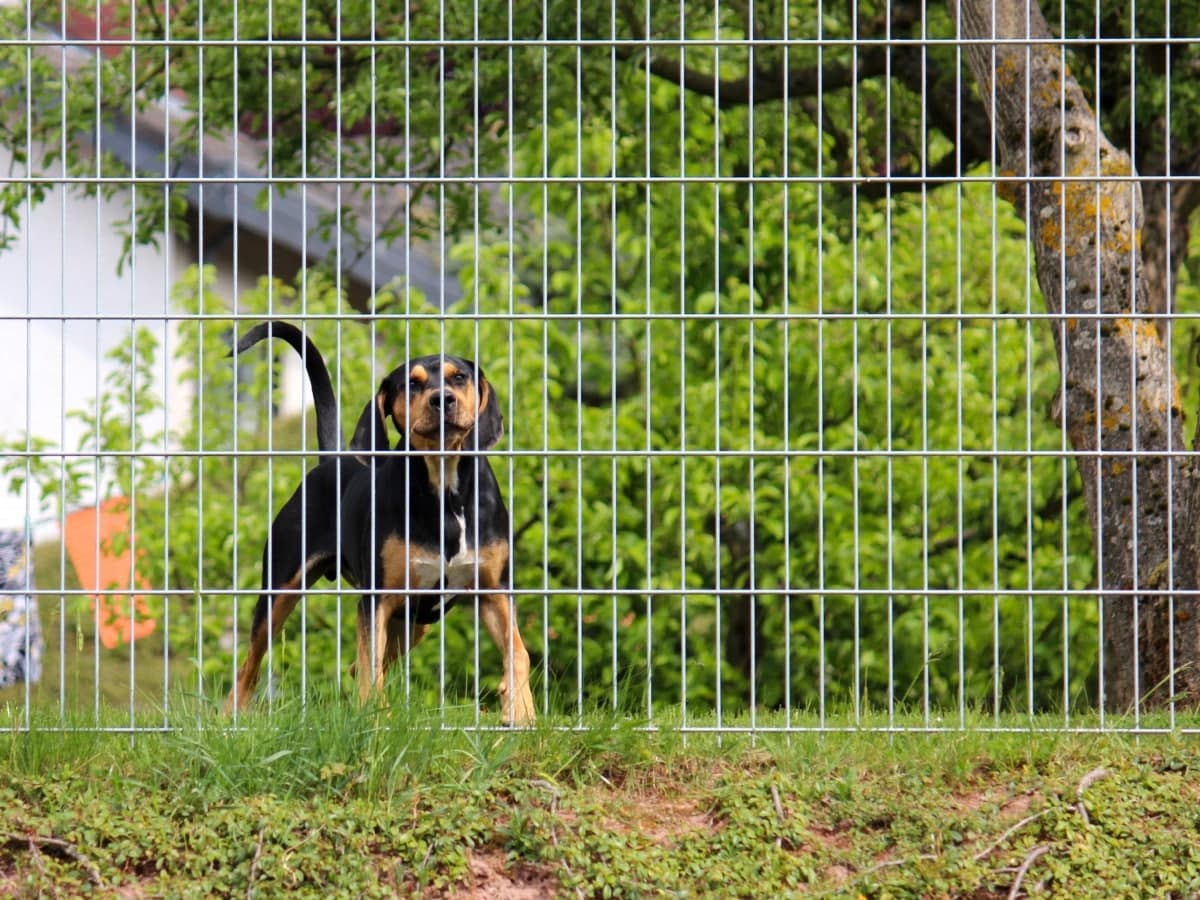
443, 400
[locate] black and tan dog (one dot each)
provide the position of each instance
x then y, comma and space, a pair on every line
415, 528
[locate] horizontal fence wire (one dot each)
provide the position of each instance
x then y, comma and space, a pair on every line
722, 370
657, 43
897, 182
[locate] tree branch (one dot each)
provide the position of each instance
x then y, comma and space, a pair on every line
841, 141
944, 170
1052, 508
766, 84
58, 845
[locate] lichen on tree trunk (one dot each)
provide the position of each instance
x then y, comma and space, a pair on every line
1120, 401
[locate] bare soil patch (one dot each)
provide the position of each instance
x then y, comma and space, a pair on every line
494, 876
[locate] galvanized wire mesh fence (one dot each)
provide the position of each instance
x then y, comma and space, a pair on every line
843, 356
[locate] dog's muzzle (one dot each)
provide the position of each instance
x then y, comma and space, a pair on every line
444, 401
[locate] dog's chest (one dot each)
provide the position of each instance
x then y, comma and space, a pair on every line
454, 564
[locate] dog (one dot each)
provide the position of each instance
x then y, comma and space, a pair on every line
414, 527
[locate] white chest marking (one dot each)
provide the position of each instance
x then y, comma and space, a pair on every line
459, 570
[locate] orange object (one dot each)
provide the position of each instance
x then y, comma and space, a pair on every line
88, 535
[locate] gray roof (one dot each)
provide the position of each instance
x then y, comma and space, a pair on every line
288, 211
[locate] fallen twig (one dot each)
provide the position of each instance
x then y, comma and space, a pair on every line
1011, 831
37, 861
1088, 780
66, 848
778, 804
1034, 855
254, 864
549, 788
778, 812
566, 866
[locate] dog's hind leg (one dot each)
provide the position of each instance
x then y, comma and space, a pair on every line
273, 607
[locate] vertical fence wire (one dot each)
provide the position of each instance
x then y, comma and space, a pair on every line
683, 379
1168, 288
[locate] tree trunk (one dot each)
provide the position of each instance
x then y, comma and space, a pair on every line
1166, 225
1121, 404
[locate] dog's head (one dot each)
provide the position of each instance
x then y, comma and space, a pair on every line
441, 403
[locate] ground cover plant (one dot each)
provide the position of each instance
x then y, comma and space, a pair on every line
333, 801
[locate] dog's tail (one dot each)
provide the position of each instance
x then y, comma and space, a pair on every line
328, 437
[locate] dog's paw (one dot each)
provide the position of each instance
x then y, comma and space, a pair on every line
518, 710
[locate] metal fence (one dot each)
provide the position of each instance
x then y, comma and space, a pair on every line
843, 356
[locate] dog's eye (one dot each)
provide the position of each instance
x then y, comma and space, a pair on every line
415, 384
459, 378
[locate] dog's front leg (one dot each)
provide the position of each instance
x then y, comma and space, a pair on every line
515, 697
364, 663
382, 637
372, 632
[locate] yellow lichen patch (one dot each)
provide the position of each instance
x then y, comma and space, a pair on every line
1082, 163
1144, 330
1008, 68
1117, 468
1081, 209
1152, 398
1120, 242
1088, 212
1051, 92
1051, 234
1118, 418
1115, 164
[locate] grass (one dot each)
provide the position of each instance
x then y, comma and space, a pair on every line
331, 800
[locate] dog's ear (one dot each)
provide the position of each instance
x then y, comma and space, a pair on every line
391, 389
371, 432
489, 423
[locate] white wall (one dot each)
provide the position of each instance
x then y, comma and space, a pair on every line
64, 266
